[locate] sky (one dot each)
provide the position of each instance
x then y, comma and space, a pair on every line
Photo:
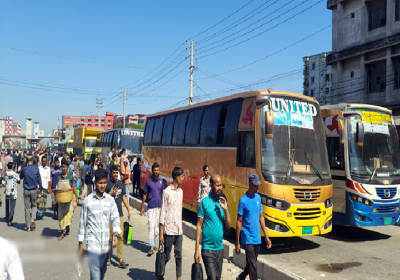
57, 57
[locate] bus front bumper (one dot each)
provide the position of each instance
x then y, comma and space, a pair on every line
382, 213
298, 220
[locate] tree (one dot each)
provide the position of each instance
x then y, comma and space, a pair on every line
132, 125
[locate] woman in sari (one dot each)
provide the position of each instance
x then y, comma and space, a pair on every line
66, 181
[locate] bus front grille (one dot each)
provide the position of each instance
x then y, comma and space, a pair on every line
307, 195
307, 213
386, 193
386, 209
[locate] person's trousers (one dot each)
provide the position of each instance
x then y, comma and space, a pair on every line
10, 206
84, 191
120, 246
30, 197
135, 186
89, 189
252, 251
128, 190
213, 263
175, 240
97, 265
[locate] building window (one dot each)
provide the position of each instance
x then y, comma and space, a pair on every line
312, 66
327, 91
352, 74
376, 77
376, 14
82, 120
352, 15
397, 10
312, 93
305, 92
312, 80
327, 77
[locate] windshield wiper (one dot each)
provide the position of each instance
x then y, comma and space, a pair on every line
314, 167
291, 159
375, 168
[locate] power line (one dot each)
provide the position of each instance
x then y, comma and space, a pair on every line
259, 34
68, 58
221, 21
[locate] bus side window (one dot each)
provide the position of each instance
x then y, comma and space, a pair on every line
167, 130
246, 155
158, 128
335, 153
179, 129
230, 129
148, 133
209, 126
193, 127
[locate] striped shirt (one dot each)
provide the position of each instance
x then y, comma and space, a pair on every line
96, 215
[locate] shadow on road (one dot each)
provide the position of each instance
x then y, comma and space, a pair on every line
140, 245
288, 245
136, 274
354, 234
50, 232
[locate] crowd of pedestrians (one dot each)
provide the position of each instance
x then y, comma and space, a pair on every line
105, 191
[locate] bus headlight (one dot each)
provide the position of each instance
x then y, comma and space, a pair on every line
328, 203
362, 200
274, 203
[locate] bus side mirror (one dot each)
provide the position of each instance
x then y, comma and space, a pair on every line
360, 134
269, 124
340, 130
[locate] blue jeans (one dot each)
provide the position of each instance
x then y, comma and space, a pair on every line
127, 189
98, 265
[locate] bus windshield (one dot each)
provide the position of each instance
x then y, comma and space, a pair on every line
379, 156
298, 147
91, 143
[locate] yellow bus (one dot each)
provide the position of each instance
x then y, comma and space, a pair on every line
70, 146
278, 135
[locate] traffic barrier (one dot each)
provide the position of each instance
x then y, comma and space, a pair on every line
265, 269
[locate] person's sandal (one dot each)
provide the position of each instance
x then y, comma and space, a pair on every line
33, 225
109, 263
150, 253
122, 264
61, 237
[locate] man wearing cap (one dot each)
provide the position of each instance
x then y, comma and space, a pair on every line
250, 218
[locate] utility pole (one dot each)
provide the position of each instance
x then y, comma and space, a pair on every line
99, 102
123, 119
191, 71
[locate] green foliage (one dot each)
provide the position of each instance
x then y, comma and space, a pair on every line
137, 126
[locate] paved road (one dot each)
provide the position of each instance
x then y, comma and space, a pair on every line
46, 258
345, 253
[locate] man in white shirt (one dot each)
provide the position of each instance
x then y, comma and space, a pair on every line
45, 173
10, 263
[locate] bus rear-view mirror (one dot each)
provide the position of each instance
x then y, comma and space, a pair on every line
360, 134
269, 124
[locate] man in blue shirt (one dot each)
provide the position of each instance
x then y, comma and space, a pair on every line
250, 217
32, 180
211, 217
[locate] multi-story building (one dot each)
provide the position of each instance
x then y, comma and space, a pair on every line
16, 129
130, 119
317, 77
106, 122
365, 54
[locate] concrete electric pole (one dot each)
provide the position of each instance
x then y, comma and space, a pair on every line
99, 102
59, 138
191, 71
123, 119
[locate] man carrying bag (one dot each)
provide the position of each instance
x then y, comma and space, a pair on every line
117, 190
